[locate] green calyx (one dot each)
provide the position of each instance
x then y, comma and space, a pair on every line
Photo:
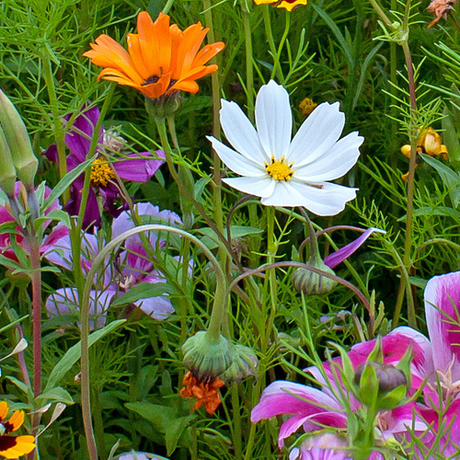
206, 357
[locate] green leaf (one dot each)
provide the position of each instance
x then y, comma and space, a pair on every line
73, 355
237, 231
174, 431
449, 177
159, 416
56, 214
57, 394
65, 183
142, 291
450, 137
336, 31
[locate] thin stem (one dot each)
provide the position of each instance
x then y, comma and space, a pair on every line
410, 182
237, 437
218, 311
277, 64
249, 57
268, 29
168, 6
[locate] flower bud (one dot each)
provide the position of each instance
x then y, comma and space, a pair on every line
24, 160
389, 382
7, 171
206, 357
164, 106
310, 283
244, 365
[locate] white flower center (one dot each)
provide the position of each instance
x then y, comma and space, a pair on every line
279, 169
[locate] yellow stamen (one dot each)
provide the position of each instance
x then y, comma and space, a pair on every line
279, 169
101, 173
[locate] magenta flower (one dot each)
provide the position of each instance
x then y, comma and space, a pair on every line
131, 268
6, 238
132, 167
314, 409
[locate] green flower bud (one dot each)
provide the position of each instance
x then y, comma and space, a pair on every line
7, 171
205, 357
24, 160
165, 106
244, 365
310, 283
385, 383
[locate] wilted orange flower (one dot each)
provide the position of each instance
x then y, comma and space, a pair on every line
161, 59
288, 4
13, 446
205, 392
440, 8
429, 143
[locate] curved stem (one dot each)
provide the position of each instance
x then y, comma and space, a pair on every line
339, 280
218, 311
277, 64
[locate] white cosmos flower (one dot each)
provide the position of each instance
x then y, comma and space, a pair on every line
285, 173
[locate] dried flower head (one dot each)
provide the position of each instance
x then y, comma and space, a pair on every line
307, 106
440, 9
205, 391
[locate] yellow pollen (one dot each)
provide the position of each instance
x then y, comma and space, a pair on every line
279, 169
101, 173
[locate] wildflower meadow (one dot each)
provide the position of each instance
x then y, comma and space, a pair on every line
230, 230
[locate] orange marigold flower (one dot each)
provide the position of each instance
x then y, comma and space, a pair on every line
440, 9
161, 59
288, 4
206, 392
12, 447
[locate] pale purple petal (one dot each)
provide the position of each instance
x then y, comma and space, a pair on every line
325, 446
138, 167
442, 298
158, 308
343, 253
139, 456
58, 232
66, 302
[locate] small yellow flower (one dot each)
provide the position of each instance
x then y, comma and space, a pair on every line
430, 143
307, 106
12, 447
288, 4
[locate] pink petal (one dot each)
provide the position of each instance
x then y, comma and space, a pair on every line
138, 167
442, 297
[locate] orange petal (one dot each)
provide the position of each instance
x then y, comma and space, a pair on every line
155, 90
186, 85
291, 5
136, 55
108, 53
119, 77
3, 410
188, 48
17, 419
207, 53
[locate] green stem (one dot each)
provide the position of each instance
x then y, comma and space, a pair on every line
249, 57
168, 6
59, 134
218, 310
277, 64
268, 29
237, 434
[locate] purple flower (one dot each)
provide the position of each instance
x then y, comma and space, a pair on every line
340, 255
132, 267
139, 456
133, 167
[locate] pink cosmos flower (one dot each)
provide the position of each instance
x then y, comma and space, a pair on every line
313, 409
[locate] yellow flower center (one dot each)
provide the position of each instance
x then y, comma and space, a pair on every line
101, 173
279, 169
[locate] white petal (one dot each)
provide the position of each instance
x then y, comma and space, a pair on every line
319, 132
236, 162
334, 163
274, 119
262, 186
326, 201
240, 133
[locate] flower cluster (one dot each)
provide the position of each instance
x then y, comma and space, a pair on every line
435, 370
